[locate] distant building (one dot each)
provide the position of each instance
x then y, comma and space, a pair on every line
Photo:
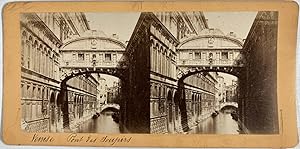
221, 89
102, 87
113, 93
201, 95
231, 93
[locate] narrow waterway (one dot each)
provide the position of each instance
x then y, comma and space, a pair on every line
221, 124
103, 124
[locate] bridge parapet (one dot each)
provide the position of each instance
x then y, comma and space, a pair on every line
233, 104
88, 64
105, 106
208, 62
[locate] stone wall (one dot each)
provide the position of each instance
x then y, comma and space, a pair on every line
257, 84
135, 107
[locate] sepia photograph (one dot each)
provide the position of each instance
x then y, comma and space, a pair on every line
173, 72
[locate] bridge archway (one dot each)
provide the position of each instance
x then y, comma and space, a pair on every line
197, 101
63, 98
229, 105
183, 74
113, 107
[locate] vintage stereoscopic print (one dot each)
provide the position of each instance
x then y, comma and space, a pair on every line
175, 72
151, 72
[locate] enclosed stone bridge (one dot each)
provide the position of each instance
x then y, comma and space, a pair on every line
210, 51
230, 104
92, 54
110, 105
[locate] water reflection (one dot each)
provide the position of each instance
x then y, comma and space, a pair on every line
103, 124
221, 124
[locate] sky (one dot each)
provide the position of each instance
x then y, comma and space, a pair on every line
109, 79
228, 78
237, 22
123, 24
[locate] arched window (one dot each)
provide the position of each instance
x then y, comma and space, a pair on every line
23, 106
52, 66
170, 67
158, 60
33, 55
23, 41
161, 62
163, 59
170, 110
167, 64
28, 54
49, 63
39, 56
156, 53
210, 56
22, 90
46, 62
43, 105
160, 101
38, 95
152, 54
155, 91
44, 53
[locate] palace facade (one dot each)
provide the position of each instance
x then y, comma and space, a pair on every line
42, 35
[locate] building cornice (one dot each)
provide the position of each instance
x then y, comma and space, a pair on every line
99, 38
165, 31
236, 41
85, 20
203, 19
37, 22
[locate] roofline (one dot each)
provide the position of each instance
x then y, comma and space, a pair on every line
85, 20
211, 76
188, 21
66, 17
90, 37
204, 19
207, 36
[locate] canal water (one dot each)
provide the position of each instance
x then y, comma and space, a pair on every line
221, 124
103, 124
